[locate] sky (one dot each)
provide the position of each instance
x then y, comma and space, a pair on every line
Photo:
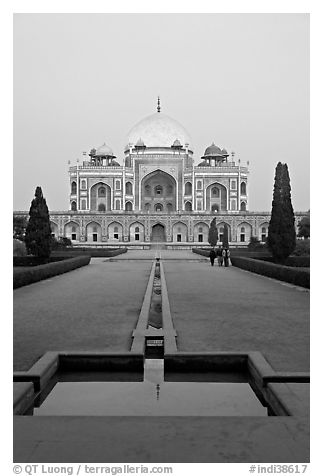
240, 80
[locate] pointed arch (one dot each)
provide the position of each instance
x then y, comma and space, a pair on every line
158, 187
72, 230
179, 232
100, 193
216, 197
93, 231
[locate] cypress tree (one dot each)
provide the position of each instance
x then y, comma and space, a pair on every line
38, 231
225, 242
213, 233
281, 232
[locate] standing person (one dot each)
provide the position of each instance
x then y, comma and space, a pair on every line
212, 256
219, 255
226, 256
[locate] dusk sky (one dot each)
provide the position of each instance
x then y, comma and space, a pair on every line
240, 80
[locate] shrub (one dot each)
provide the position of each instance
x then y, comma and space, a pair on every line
288, 274
19, 227
22, 277
304, 227
255, 244
61, 243
19, 248
303, 248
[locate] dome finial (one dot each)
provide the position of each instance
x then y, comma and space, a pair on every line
158, 104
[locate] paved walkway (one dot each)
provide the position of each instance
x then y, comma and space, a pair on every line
228, 309
94, 307
185, 255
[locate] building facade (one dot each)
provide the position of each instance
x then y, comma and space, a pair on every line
158, 195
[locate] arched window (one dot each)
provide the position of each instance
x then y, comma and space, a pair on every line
243, 206
199, 184
158, 207
128, 188
188, 188
128, 206
215, 192
188, 206
158, 190
73, 206
242, 234
221, 232
83, 184
243, 188
263, 234
137, 229
147, 190
101, 207
73, 188
101, 192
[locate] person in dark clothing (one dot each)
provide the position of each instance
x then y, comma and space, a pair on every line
219, 256
226, 256
212, 256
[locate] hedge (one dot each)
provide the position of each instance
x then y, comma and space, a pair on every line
22, 277
293, 261
34, 261
234, 252
299, 277
93, 252
201, 251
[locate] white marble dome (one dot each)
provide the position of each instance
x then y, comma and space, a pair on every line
158, 130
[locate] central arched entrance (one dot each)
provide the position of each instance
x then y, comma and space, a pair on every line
158, 233
158, 192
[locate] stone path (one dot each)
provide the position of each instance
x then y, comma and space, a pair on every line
228, 309
94, 307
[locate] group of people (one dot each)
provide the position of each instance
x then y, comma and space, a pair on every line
222, 254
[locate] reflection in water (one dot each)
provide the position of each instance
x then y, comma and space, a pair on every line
153, 396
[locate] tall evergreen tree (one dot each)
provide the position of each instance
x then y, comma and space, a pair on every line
281, 232
225, 242
213, 233
38, 231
